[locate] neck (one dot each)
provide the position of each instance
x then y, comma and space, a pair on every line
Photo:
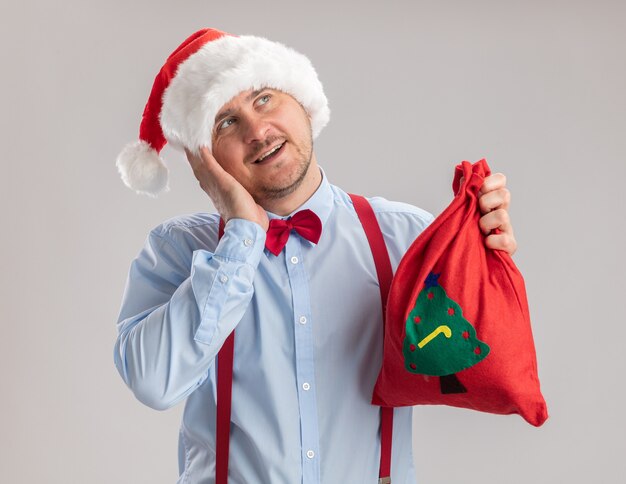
286, 205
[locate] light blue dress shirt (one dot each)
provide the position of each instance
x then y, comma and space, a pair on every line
308, 344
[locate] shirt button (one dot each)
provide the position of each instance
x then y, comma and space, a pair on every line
302, 319
247, 242
310, 454
306, 386
294, 260
223, 279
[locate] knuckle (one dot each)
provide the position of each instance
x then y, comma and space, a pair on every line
502, 215
492, 242
506, 194
482, 203
483, 223
510, 244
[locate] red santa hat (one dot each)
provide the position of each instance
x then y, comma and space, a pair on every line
205, 72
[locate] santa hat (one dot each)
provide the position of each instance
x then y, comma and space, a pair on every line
205, 72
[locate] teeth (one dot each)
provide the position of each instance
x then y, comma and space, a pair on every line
270, 152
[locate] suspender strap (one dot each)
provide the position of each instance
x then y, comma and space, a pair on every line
224, 397
385, 274
225, 356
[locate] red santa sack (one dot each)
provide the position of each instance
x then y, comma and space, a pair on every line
457, 328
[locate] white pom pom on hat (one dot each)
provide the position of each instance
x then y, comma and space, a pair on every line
205, 72
142, 169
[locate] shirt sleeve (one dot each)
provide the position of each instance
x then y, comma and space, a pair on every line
400, 224
174, 319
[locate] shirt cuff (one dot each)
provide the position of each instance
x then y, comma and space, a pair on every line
243, 241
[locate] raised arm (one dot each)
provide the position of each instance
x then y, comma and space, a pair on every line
174, 319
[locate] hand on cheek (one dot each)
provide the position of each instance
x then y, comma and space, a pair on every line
230, 198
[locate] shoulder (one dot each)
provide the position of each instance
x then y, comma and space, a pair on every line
186, 233
386, 209
401, 223
193, 222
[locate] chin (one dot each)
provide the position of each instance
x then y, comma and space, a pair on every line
284, 184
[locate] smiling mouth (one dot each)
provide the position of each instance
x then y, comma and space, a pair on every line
271, 154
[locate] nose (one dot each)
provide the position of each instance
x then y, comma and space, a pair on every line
256, 128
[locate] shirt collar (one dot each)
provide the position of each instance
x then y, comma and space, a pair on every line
321, 202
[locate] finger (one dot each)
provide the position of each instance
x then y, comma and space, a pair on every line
502, 241
499, 198
202, 157
497, 219
492, 182
212, 165
214, 169
207, 156
193, 159
202, 165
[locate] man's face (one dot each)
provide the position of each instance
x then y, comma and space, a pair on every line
263, 139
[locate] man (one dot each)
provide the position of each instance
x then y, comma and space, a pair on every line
308, 343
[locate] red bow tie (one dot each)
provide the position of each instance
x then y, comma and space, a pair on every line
305, 222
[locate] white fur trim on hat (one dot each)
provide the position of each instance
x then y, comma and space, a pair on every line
225, 67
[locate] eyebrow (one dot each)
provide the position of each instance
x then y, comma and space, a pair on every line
228, 112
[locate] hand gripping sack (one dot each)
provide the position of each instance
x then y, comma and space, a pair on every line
457, 322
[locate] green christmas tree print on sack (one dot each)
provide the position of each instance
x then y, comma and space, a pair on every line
439, 341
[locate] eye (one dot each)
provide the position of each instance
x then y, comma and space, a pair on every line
264, 99
226, 123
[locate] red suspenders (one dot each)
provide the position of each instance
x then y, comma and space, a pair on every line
225, 356
224, 397
383, 270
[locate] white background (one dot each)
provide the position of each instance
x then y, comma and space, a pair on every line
536, 87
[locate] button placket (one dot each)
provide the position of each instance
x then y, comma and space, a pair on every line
305, 358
